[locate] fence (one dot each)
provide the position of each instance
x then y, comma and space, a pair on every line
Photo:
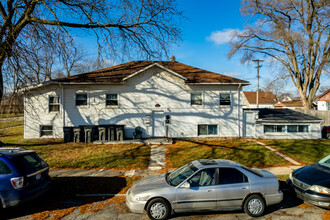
324, 115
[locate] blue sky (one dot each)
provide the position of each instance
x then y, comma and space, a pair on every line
205, 35
205, 42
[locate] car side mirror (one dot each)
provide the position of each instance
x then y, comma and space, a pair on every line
186, 185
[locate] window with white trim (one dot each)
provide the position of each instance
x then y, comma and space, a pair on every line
81, 99
111, 100
274, 128
54, 103
46, 130
297, 128
196, 99
224, 99
207, 130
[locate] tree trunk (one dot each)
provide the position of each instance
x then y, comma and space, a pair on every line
1, 82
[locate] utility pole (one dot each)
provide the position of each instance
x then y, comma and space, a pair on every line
258, 67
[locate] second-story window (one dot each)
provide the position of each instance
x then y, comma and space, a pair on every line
54, 104
112, 100
81, 99
196, 99
224, 99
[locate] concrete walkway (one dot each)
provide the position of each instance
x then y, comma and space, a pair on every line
157, 157
278, 153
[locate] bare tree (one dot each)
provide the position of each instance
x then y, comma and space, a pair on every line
296, 33
121, 27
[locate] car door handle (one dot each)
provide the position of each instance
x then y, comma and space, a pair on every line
210, 190
245, 187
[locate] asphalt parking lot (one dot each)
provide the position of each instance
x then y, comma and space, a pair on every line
64, 201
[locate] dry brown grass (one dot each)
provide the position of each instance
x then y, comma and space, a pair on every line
242, 151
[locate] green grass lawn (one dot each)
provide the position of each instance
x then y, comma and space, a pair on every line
80, 155
303, 150
242, 151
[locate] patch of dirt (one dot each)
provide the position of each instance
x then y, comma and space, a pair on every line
306, 205
326, 215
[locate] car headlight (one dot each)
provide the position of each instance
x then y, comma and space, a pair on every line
136, 198
290, 176
320, 189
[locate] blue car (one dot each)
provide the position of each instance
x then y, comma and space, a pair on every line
23, 176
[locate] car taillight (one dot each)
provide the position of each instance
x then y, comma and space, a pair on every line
17, 182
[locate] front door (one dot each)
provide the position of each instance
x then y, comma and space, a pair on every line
158, 128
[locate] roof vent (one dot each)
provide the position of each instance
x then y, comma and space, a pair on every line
172, 59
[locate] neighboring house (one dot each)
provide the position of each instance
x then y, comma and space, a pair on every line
280, 124
292, 104
163, 98
323, 101
266, 99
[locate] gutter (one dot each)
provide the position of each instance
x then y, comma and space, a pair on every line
238, 110
219, 83
63, 107
291, 121
28, 88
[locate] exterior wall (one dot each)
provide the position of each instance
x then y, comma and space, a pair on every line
252, 128
36, 112
323, 105
138, 99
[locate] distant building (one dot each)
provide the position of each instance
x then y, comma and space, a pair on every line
266, 99
323, 101
293, 104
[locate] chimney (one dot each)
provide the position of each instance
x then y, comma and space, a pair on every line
172, 59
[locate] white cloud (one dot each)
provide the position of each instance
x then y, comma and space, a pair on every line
224, 36
232, 74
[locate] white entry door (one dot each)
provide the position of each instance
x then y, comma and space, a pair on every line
249, 124
158, 127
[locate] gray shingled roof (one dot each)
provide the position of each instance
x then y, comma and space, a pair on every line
284, 115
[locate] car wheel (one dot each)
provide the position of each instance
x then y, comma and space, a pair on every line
158, 209
254, 206
328, 135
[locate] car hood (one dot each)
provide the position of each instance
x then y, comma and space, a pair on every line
149, 183
313, 175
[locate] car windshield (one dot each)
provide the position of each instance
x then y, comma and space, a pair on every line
29, 162
179, 175
325, 161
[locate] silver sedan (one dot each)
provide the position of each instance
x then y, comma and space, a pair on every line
201, 185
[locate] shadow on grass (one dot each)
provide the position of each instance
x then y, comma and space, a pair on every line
63, 194
240, 151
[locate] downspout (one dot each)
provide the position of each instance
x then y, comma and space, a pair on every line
62, 102
238, 110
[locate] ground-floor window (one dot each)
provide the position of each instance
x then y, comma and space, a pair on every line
274, 128
297, 128
285, 128
207, 129
46, 130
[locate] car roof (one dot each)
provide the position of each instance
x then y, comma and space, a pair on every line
14, 151
204, 163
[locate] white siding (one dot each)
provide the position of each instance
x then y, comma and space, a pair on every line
323, 105
137, 98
